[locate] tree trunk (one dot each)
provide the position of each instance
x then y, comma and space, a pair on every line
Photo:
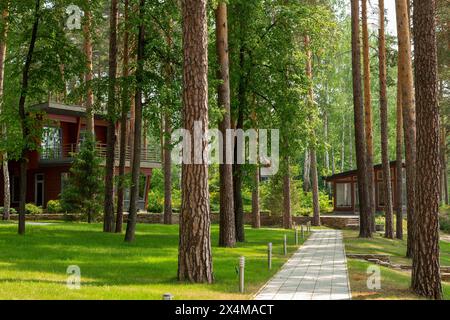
227, 232
237, 168
408, 113
307, 172
350, 148
368, 115
426, 277
23, 118
194, 256
287, 217
389, 229
399, 165
365, 230
343, 145
256, 213
312, 149
315, 188
4, 155
108, 223
136, 162
88, 77
123, 122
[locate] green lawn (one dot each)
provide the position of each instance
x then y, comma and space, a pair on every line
34, 266
394, 284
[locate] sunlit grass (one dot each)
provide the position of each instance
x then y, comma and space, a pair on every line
34, 266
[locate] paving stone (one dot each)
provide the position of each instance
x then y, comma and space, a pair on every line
317, 271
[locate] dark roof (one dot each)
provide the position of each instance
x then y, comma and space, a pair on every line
355, 172
62, 109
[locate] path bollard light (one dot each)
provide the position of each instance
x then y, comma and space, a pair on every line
285, 245
167, 296
269, 255
296, 236
241, 274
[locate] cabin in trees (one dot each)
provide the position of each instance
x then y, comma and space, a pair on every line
345, 189
63, 129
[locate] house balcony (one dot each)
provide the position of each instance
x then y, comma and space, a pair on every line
64, 154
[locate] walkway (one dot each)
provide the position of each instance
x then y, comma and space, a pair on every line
317, 271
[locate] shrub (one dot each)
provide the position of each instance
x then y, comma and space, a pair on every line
54, 206
155, 201
11, 210
32, 209
444, 219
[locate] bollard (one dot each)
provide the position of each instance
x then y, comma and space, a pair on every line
241, 274
167, 296
296, 236
269, 255
302, 232
285, 245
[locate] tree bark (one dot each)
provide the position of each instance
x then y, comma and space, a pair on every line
88, 77
408, 113
23, 118
287, 216
307, 172
194, 256
108, 223
389, 229
136, 162
4, 155
123, 122
368, 114
399, 165
360, 136
227, 231
312, 148
343, 145
256, 213
237, 168
426, 277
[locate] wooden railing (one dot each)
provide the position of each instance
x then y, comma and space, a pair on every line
67, 151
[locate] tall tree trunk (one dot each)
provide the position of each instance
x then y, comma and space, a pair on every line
350, 148
408, 113
343, 145
108, 223
23, 118
307, 172
426, 276
123, 122
237, 168
368, 114
312, 148
227, 231
389, 230
256, 213
4, 155
88, 77
365, 230
136, 162
194, 256
287, 216
399, 165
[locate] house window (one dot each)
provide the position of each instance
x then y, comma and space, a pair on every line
343, 195
51, 143
39, 189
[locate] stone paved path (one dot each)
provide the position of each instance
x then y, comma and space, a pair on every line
317, 271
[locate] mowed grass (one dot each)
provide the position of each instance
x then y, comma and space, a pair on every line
34, 266
394, 284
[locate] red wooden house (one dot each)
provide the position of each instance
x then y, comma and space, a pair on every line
345, 189
48, 168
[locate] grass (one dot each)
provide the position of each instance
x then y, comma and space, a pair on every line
34, 266
394, 284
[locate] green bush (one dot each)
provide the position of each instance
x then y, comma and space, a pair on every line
444, 219
54, 206
155, 201
31, 208
11, 210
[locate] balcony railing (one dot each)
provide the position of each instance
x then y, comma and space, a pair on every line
66, 152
